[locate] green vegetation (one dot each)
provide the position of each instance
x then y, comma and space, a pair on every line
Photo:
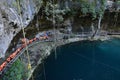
54, 10
118, 2
54, 13
16, 71
93, 7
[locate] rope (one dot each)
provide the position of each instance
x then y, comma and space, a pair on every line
37, 25
23, 31
116, 17
54, 31
44, 71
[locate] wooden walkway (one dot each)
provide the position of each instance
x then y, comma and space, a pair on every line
20, 53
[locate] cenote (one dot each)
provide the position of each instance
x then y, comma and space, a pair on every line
84, 60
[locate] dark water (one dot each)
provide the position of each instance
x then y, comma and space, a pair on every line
86, 60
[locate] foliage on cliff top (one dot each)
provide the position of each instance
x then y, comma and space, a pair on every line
95, 7
55, 11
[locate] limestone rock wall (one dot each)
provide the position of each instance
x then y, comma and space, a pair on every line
10, 23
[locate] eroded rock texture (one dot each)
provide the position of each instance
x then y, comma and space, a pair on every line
10, 23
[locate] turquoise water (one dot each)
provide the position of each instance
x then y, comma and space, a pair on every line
85, 60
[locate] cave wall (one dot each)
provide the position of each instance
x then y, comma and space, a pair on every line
10, 23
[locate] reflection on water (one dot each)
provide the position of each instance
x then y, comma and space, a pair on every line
85, 60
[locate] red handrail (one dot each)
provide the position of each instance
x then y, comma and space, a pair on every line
14, 54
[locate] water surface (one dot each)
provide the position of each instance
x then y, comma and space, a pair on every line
85, 60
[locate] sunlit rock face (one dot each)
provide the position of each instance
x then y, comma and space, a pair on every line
10, 19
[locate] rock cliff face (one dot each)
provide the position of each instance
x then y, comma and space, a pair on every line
10, 19
10, 23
